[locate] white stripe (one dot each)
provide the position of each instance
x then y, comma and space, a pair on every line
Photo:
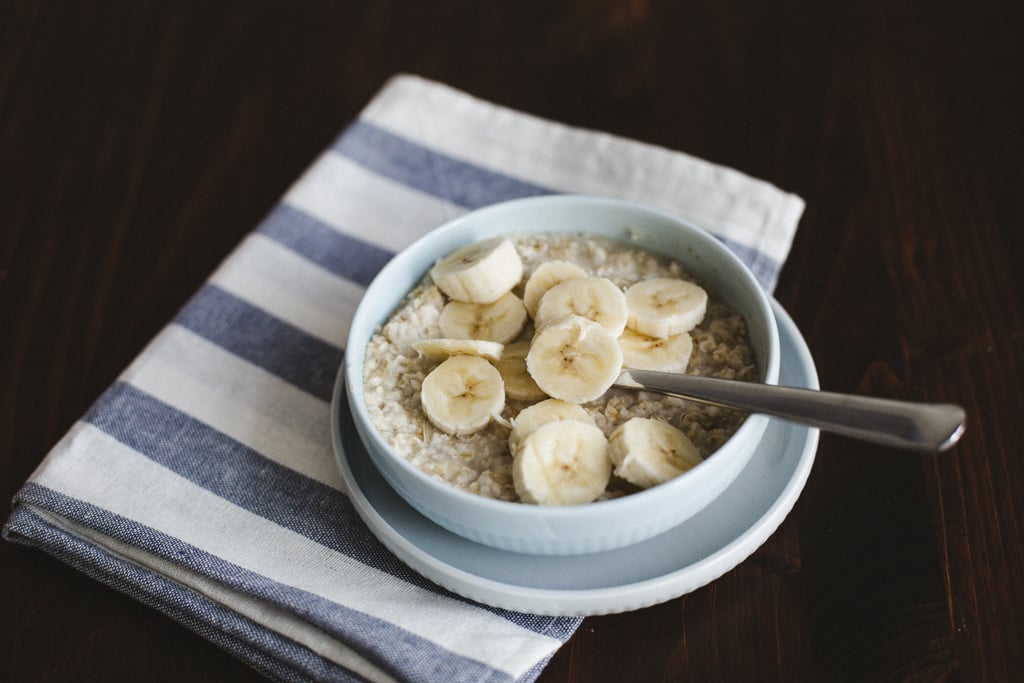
242, 400
365, 205
93, 467
719, 199
291, 288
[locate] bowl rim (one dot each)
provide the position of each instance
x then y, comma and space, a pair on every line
754, 424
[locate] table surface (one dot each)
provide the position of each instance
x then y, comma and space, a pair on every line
140, 141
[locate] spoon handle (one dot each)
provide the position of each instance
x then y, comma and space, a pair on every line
902, 424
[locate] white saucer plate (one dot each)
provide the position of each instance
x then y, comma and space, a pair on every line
674, 563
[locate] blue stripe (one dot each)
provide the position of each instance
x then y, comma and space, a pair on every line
359, 261
245, 478
262, 648
429, 171
472, 186
393, 649
260, 338
217, 463
344, 256
764, 268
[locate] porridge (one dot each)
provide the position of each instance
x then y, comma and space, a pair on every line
518, 336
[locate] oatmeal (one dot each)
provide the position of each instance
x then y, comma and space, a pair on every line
481, 462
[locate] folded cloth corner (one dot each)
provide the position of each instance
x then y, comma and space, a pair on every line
202, 481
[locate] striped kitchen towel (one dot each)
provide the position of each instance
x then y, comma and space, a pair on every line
203, 483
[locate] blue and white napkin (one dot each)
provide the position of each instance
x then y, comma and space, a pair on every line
203, 483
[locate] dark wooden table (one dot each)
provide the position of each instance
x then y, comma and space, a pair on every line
140, 141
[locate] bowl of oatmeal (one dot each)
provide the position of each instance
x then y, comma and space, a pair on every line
479, 368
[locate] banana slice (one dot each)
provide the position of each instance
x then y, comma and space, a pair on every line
594, 298
499, 321
479, 273
546, 276
518, 383
552, 410
647, 452
662, 307
562, 463
574, 359
440, 349
641, 352
462, 394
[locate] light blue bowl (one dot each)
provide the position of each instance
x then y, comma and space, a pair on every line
576, 529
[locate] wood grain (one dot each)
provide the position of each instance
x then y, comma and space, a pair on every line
141, 141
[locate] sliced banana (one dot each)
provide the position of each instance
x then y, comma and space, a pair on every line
594, 298
574, 359
662, 307
546, 276
552, 410
499, 321
461, 395
562, 463
512, 366
479, 273
641, 352
440, 349
648, 452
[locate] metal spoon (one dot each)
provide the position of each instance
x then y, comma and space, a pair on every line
902, 424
